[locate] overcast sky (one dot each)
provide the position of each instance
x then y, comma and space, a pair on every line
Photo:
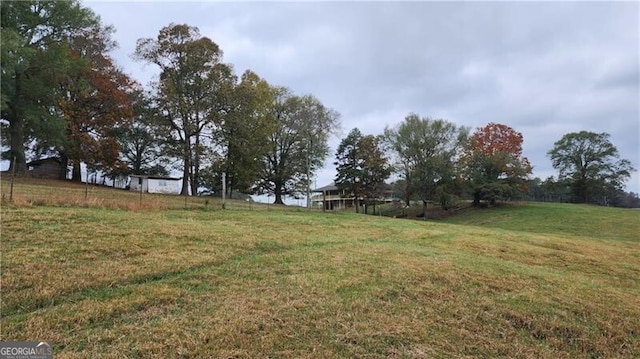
545, 69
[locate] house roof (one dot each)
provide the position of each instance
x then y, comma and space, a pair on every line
329, 187
333, 187
157, 177
43, 160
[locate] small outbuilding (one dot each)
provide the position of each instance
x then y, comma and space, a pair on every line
50, 167
155, 184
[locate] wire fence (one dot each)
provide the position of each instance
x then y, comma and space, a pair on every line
19, 192
24, 191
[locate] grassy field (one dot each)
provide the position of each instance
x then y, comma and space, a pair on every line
38, 192
521, 281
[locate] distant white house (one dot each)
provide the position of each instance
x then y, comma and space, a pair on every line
154, 184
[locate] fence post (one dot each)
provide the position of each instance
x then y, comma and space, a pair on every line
224, 189
86, 187
13, 175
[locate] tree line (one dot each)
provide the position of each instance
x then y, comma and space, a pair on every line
438, 161
63, 95
435, 161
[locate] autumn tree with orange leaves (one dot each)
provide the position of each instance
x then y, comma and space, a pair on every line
96, 102
493, 165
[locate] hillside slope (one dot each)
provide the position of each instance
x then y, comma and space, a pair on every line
105, 283
565, 219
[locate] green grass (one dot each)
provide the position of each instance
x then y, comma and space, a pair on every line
557, 218
523, 281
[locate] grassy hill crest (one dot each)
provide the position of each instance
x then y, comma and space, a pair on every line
520, 281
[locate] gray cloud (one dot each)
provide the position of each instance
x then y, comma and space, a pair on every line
545, 69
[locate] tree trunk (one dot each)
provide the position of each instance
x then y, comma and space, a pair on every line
76, 174
278, 193
407, 190
476, 199
16, 131
16, 143
195, 173
194, 181
64, 163
424, 210
185, 176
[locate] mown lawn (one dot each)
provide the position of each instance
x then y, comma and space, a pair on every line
526, 281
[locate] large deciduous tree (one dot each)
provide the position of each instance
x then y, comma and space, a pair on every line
142, 142
361, 165
493, 165
95, 103
244, 133
591, 165
189, 91
35, 40
298, 145
426, 151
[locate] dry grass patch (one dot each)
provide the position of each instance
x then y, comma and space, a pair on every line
294, 284
29, 192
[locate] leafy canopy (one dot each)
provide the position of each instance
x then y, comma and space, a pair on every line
493, 165
36, 36
361, 165
426, 151
590, 163
189, 91
298, 145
